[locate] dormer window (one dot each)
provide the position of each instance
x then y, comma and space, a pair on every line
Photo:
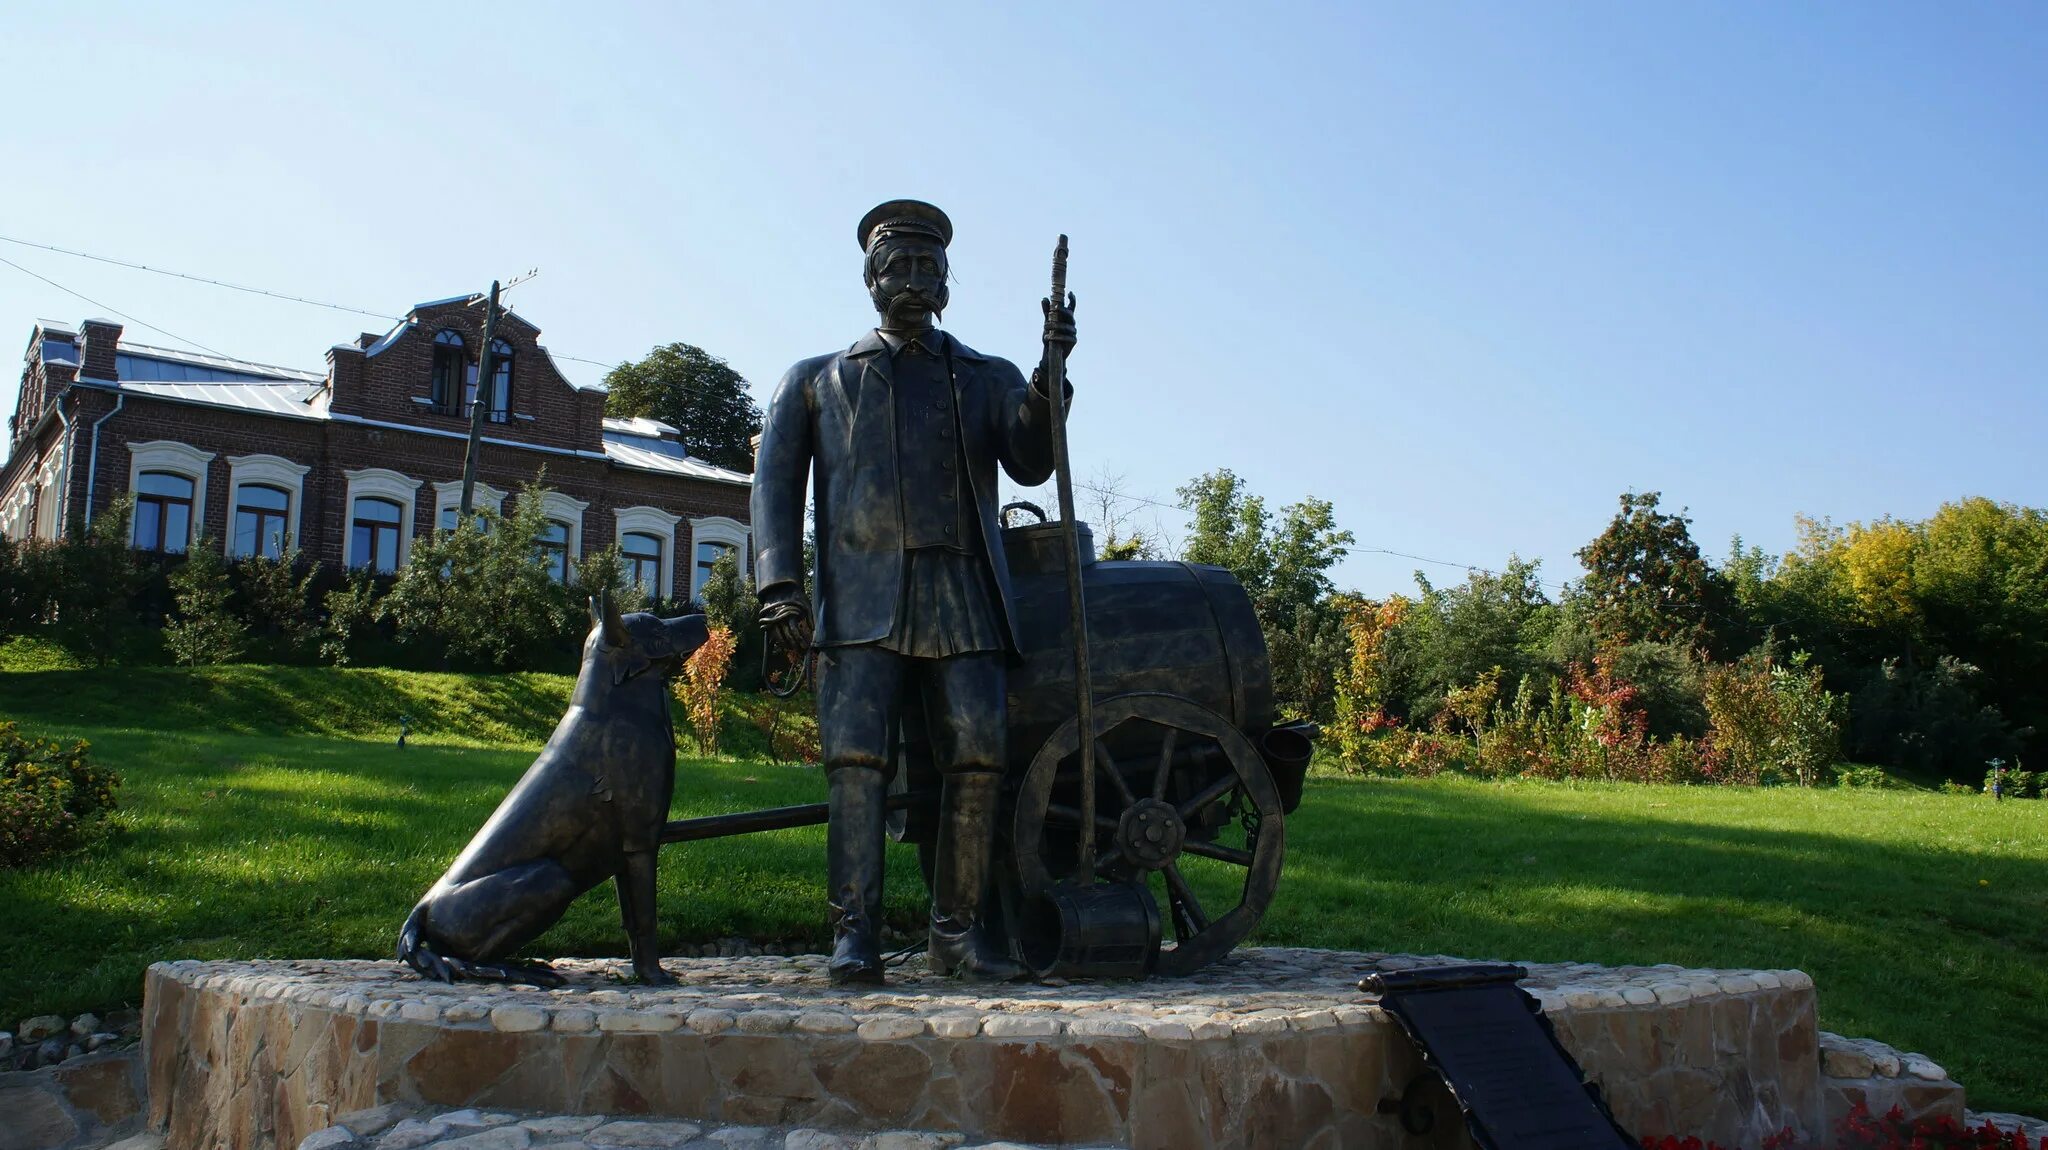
451, 364
500, 408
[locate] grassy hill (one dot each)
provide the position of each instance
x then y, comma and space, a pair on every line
268, 812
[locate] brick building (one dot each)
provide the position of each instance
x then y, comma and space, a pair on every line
355, 462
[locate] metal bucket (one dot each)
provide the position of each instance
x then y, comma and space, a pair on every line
1107, 930
1287, 751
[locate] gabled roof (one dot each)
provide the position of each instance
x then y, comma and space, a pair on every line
267, 389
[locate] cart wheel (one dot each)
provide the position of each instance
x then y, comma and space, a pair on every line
1154, 815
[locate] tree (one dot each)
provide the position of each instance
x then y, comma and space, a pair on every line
96, 578
482, 594
1645, 579
697, 393
1453, 635
1285, 568
206, 629
1116, 537
278, 594
1228, 528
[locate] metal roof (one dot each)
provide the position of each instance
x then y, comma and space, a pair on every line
164, 364
634, 452
286, 399
639, 425
264, 389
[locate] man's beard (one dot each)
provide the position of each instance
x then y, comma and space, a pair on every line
908, 305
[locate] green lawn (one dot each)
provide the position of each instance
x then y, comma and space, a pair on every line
267, 813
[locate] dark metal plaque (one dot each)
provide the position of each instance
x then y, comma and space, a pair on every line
1517, 1087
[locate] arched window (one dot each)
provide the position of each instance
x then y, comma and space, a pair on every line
642, 555
260, 512
451, 365
500, 408
713, 536
553, 549
373, 527
707, 555
163, 512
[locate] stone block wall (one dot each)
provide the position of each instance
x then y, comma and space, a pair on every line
85, 1101
1274, 1048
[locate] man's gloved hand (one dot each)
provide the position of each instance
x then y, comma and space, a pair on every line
1059, 332
1059, 323
788, 621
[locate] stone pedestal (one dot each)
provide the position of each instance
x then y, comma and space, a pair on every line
1270, 1048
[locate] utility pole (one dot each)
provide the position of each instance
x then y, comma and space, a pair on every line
479, 406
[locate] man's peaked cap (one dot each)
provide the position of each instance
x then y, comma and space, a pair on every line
914, 216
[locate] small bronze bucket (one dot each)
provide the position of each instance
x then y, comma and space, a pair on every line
1107, 930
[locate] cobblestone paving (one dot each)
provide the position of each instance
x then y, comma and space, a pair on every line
401, 1127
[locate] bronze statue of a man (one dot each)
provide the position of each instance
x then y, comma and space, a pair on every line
900, 436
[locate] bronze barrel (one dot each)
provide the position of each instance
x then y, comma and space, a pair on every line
1183, 628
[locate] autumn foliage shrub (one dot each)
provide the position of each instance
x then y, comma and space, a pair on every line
51, 793
702, 684
1861, 1130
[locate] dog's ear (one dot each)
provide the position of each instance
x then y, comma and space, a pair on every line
605, 613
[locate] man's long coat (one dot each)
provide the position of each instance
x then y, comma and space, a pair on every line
834, 417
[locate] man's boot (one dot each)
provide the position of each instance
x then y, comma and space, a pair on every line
967, 821
853, 864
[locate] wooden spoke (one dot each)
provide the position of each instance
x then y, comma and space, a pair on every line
1165, 772
1106, 763
1217, 851
1184, 898
1224, 784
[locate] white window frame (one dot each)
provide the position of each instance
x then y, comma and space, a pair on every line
448, 496
568, 509
267, 471
378, 483
716, 529
658, 523
180, 459
20, 524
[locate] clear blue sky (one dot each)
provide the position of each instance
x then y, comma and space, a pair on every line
1467, 272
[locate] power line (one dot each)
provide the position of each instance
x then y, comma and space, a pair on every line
1113, 494
198, 279
115, 310
290, 298
286, 296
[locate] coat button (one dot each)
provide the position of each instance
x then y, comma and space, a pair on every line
949, 530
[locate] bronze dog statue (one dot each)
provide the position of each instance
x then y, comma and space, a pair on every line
591, 807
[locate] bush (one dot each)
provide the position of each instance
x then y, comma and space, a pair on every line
1867, 776
206, 629
277, 602
1774, 722
701, 686
51, 794
93, 582
1861, 1130
1670, 685
351, 609
481, 595
2016, 784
